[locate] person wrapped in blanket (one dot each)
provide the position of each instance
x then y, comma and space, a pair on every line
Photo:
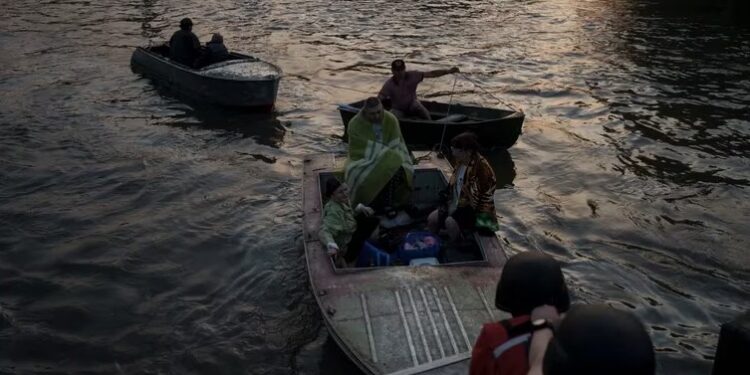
470, 205
379, 169
344, 230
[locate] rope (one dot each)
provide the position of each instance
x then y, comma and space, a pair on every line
453, 90
479, 86
450, 102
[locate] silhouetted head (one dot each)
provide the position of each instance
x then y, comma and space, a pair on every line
464, 146
373, 110
331, 185
217, 38
186, 24
531, 279
598, 339
398, 68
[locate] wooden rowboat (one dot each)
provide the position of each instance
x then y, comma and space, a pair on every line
496, 128
243, 81
402, 319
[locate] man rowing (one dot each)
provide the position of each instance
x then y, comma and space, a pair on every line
401, 89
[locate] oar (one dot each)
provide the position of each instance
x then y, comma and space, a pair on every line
348, 107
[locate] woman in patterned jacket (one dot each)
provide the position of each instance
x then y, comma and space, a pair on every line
471, 192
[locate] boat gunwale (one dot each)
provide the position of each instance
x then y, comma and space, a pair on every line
196, 72
511, 114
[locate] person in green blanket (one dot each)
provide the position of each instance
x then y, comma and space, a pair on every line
344, 230
471, 203
379, 169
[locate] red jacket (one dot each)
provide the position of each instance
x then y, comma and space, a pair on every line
502, 348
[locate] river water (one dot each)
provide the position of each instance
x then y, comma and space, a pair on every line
141, 234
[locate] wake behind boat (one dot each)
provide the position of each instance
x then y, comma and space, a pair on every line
402, 319
496, 128
242, 81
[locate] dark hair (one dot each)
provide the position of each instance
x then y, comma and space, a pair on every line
331, 185
398, 64
466, 141
186, 23
372, 101
598, 339
531, 279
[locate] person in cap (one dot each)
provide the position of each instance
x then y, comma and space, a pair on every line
529, 279
470, 195
214, 52
591, 340
379, 168
400, 90
184, 46
344, 230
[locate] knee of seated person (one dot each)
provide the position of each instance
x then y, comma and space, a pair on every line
432, 218
453, 229
433, 221
419, 109
450, 221
375, 234
452, 225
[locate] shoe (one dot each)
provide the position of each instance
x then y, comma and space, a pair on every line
399, 220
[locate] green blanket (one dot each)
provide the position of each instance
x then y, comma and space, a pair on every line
371, 163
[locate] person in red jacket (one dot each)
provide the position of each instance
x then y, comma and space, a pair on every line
529, 280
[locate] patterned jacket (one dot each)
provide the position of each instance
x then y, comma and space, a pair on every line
479, 185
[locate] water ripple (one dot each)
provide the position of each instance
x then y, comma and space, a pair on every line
141, 232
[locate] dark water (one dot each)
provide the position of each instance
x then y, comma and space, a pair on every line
141, 235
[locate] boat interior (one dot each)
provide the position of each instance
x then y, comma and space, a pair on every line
163, 50
428, 183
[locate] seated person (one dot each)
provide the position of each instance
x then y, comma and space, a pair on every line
379, 168
341, 232
470, 191
528, 280
401, 89
590, 340
214, 52
184, 46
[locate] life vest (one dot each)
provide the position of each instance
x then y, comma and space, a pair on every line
503, 348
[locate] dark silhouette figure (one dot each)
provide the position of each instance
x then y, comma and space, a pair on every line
184, 46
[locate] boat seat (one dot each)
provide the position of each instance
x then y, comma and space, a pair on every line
456, 117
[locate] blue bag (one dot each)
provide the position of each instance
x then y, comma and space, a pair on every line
371, 256
419, 245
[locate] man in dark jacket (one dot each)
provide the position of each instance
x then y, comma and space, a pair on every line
184, 46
